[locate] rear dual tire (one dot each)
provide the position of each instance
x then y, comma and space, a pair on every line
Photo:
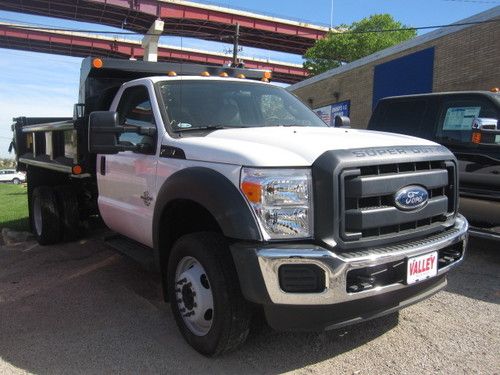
45, 219
54, 214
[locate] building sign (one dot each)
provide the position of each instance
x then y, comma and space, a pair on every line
341, 109
328, 113
325, 114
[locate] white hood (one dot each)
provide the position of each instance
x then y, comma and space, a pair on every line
285, 146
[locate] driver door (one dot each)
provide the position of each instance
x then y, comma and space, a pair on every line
127, 180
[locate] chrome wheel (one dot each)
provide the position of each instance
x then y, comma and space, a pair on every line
194, 296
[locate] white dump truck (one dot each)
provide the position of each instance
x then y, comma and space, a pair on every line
243, 199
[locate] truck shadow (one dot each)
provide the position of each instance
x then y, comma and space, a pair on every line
478, 277
81, 308
21, 224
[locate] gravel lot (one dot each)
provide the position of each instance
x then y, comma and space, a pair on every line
82, 308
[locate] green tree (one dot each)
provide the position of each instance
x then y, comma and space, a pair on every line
354, 42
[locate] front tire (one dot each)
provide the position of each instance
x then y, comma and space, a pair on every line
205, 295
44, 216
16, 181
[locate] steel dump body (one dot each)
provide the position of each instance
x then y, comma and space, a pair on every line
61, 143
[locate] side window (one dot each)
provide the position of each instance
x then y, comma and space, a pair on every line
403, 117
455, 121
135, 109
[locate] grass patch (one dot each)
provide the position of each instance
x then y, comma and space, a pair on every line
14, 207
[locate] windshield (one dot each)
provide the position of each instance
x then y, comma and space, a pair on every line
193, 105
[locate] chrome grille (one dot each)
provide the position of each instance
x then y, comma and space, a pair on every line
367, 207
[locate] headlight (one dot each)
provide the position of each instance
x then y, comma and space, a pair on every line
281, 200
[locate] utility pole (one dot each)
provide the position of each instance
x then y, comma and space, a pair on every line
236, 45
331, 16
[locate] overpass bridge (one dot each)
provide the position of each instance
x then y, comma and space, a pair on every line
182, 18
22, 37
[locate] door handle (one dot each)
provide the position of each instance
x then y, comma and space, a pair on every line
103, 165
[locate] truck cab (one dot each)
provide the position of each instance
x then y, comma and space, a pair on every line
245, 200
467, 123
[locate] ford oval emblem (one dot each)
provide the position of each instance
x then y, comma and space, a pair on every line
411, 198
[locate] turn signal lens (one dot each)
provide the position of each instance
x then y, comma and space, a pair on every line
252, 191
77, 169
97, 63
476, 137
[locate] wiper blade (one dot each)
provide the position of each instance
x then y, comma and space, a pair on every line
208, 127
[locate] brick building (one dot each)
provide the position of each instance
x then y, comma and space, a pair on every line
464, 57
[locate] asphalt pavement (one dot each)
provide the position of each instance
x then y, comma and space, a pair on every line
81, 308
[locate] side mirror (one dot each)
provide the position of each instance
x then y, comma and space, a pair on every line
103, 133
485, 131
342, 122
481, 123
104, 130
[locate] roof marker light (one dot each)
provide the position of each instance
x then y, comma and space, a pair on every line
223, 74
172, 74
495, 89
241, 76
97, 63
205, 74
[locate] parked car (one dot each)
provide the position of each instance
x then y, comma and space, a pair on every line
11, 175
465, 122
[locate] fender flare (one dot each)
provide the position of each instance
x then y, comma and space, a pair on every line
213, 191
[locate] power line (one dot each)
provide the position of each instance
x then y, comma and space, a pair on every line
475, 1
419, 28
374, 31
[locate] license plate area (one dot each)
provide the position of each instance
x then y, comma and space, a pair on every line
421, 267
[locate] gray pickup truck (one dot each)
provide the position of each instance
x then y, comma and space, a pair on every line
467, 124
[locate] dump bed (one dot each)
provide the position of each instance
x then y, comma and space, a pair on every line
61, 144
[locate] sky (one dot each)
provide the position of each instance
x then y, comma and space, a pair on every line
35, 84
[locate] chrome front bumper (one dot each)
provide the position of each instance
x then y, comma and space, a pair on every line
336, 266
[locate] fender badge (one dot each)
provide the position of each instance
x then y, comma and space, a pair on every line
146, 198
